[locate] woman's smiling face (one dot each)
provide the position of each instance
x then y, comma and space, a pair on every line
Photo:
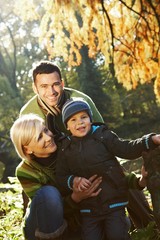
42, 145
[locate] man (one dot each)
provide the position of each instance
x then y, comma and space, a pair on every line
51, 95
47, 103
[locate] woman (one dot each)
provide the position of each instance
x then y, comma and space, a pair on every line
35, 144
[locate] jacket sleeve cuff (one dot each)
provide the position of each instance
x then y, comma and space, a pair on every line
149, 144
70, 182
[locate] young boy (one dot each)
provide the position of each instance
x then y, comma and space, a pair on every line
92, 149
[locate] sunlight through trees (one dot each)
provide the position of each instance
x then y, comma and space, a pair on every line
127, 33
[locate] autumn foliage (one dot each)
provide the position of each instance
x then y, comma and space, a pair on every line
126, 33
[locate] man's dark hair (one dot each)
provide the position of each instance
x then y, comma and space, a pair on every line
45, 67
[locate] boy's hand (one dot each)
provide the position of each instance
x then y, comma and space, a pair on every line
92, 191
80, 184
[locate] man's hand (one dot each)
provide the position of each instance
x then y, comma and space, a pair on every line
156, 139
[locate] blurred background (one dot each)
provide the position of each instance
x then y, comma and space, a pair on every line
108, 50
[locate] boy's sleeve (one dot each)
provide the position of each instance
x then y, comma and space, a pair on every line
64, 178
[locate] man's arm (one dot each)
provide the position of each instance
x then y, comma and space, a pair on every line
32, 106
96, 114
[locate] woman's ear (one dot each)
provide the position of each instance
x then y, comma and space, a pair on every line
27, 150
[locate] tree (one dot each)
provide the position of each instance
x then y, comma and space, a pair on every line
126, 32
91, 81
18, 47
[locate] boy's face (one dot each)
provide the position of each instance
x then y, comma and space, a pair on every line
79, 124
49, 87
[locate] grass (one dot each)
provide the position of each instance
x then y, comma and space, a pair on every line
11, 211
11, 215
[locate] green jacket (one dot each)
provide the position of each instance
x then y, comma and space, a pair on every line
32, 106
33, 176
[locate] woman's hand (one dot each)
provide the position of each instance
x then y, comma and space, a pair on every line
91, 191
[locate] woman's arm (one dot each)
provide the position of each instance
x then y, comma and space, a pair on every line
30, 179
75, 197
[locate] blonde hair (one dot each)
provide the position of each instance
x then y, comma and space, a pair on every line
23, 130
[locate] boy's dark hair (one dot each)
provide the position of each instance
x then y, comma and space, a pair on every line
45, 67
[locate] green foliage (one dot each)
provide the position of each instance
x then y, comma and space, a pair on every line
1, 169
11, 211
11, 215
19, 48
148, 233
90, 80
